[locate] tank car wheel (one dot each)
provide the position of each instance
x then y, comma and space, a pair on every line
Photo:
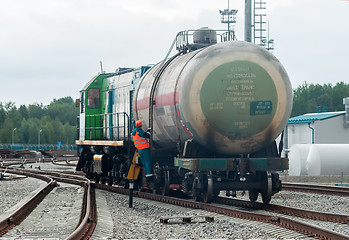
208, 192
110, 181
253, 195
103, 180
165, 188
267, 191
196, 196
196, 192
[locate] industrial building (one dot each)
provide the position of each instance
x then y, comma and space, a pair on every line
318, 143
318, 128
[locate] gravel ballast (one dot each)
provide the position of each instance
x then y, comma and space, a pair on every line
143, 221
13, 191
62, 209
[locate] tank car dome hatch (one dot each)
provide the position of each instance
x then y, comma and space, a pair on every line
203, 37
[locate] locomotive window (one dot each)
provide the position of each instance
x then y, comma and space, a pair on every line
93, 100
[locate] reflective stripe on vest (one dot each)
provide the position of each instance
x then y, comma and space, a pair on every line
140, 142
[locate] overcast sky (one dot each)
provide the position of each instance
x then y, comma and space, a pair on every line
51, 48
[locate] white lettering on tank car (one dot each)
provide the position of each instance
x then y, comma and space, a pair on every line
216, 106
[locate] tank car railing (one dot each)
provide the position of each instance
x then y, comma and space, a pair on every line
98, 126
185, 38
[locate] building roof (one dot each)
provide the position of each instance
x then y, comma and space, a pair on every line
311, 117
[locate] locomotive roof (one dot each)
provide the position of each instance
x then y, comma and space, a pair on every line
94, 78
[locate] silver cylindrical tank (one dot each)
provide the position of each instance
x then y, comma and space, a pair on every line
298, 159
328, 159
231, 97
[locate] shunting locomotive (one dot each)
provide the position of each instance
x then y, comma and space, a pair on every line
213, 111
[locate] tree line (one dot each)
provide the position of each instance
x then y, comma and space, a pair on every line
53, 123
311, 98
57, 121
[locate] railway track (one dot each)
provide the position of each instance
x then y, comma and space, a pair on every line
319, 189
21, 213
223, 206
88, 217
296, 212
64, 162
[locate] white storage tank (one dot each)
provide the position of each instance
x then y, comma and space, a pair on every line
328, 159
298, 159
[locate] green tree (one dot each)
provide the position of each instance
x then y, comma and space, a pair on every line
2, 115
36, 111
315, 97
23, 111
57, 122
64, 109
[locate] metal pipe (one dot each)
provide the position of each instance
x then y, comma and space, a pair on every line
346, 115
312, 133
286, 141
248, 20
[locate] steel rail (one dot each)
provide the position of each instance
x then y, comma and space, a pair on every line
297, 212
23, 211
312, 188
298, 226
9, 162
66, 162
88, 219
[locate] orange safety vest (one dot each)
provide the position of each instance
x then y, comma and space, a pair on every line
140, 142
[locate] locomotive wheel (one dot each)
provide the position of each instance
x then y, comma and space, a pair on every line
208, 192
165, 189
267, 191
253, 195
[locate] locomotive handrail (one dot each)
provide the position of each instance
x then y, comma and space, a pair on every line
101, 131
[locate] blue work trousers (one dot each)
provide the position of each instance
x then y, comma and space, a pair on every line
146, 161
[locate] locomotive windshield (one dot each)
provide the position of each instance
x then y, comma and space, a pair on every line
93, 100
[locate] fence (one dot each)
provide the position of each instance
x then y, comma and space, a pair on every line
37, 146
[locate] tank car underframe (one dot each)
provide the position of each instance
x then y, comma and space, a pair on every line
204, 178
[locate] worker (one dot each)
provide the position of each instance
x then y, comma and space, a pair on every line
141, 141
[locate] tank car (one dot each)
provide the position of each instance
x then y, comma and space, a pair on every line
214, 110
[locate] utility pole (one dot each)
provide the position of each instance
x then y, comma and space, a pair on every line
39, 137
13, 136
